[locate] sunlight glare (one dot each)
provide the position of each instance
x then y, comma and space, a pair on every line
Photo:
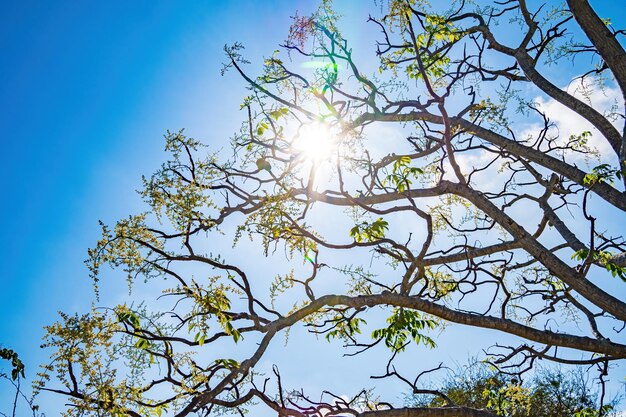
315, 142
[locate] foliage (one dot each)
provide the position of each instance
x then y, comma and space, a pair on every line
405, 324
369, 232
17, 366
550, 393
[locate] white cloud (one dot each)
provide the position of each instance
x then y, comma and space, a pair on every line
605, 100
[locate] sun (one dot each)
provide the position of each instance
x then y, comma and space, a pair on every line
315, 142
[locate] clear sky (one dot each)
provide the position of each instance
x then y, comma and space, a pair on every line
87, 88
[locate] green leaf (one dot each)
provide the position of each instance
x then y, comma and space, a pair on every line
263, 164
404, 323
16, 363
228, 363
200, 338
142, 344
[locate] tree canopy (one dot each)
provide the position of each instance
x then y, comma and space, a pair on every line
550, 393
391, 200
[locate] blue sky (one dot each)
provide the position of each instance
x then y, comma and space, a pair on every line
86, 91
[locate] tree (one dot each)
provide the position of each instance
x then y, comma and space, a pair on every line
550, 393
485, 213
